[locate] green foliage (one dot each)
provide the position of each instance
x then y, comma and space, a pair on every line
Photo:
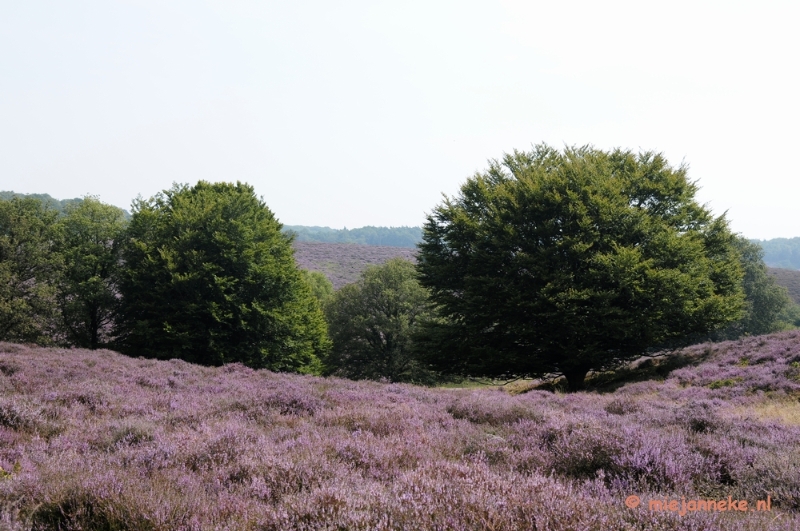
388, 236
28, 269
321, 287
765, 301
781, 252
726, 382
372, 323
88, 240
561, 263
790, 317
211, 279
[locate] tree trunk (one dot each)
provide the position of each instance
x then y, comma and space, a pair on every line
575, 378
94, 338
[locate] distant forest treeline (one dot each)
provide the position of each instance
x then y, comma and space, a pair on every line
385, 236
781, 252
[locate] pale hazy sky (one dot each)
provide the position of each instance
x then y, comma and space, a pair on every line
356, 113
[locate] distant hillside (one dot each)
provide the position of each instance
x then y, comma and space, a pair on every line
342, 263
781, 252
788, 278
386, 236
56, 204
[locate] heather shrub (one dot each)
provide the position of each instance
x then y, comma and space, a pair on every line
232, 448
723, 462
491, 408
580, 448
776, 474
220, 446
293, 402
83, 510
621, 406
130, 434
93, 401
655, 462
698, 416
8, 368
16, 416
380, 421
12, 348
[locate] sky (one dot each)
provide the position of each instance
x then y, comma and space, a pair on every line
351, 113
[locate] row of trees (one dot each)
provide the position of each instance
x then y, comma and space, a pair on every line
201, 273
550, 262
781, 252
389, 236
559, 263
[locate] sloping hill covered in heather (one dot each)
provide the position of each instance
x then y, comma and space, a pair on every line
97, 440
342, 263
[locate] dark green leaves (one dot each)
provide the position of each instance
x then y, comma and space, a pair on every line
211, 279
88, 240
373, 322
555, 262
28, 269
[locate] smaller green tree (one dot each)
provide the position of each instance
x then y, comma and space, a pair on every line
765, 301
372, 323
321, 287
789, 317
28, 270
88, 240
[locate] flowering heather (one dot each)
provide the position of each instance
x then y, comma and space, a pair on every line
343, 263
96, 440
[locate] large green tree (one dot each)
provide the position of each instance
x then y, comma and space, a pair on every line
210, 278
373, 321
29, 268
562, 262
88, 239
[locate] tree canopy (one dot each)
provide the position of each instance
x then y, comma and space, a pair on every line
321, 287
211, 279
562, 262
766, 302
781, 252
88, 237
28, 269
372, 323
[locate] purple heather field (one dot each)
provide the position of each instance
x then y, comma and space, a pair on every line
100, 441
343, 263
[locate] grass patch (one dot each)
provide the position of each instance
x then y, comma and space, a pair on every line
727, 382
787, 412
